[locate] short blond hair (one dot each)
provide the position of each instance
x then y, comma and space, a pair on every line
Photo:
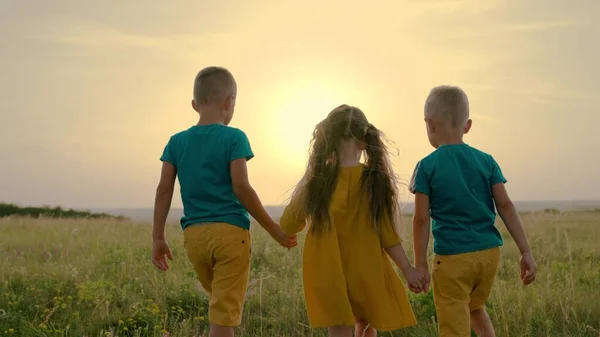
448, 103
213, 84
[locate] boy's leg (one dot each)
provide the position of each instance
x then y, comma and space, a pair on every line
220, 331
488, 260
340, 331
482, 324
363, 329
453, 279
231, 268
198, 245
220, 254
198, 250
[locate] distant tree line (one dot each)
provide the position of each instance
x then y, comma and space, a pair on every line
51, 212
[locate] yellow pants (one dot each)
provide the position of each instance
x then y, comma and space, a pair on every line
461, 285
220, 254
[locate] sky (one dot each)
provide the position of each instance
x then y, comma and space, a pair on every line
91, 91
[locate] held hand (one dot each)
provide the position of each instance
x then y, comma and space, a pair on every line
424, 272
415, 279
160, 253
528, 269
283, 239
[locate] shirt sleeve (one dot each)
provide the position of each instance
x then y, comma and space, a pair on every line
389, 235
293, 219
496, 177
419, 183
169, 154
241, 147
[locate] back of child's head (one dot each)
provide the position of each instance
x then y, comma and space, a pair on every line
378, 182
212, 85
448, 104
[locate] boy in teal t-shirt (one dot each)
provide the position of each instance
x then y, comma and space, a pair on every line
200, 153
458, 179
457, 190
210, 161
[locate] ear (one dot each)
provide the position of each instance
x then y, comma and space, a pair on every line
228, 104
194, 105
468, 127
430, 124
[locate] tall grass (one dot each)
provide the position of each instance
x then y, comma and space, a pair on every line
95, 278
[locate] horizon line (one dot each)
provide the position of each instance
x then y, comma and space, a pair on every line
407, 202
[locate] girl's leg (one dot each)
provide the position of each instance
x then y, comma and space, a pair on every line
363, 329
482, 324
340, 331
220, 331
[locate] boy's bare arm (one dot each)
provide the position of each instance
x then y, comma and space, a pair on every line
162, 202
249, 199
421, 229
510, 217
247, 195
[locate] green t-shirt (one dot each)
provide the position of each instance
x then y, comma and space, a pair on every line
458, 180
202, 156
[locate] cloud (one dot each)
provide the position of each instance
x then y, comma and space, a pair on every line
480, 117
515, 28
89, 34
535, 90
548, 90
551, 94
540, 26
446, 7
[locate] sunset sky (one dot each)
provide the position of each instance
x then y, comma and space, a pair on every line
90, 91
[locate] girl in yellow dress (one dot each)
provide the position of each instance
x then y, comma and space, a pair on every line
352, 209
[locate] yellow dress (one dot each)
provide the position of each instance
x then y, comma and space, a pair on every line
346, 271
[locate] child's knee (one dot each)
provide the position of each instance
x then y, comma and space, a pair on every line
480, 315
340, 331
221, 331
359, 320
477, 311
364, 328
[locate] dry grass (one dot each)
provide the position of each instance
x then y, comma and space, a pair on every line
95, 278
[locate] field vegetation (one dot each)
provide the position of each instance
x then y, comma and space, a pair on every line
94, 277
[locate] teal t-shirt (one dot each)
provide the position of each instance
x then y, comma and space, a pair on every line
458, 180
202, 156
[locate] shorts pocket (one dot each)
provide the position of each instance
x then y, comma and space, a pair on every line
453, 277
234, 248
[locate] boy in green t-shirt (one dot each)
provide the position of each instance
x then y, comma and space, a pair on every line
456, 188
210, 161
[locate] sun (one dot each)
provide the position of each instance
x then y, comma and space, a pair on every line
296, 113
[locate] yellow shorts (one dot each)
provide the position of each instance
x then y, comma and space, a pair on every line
461, 285
220, 254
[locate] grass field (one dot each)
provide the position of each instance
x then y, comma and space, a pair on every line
95, 278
